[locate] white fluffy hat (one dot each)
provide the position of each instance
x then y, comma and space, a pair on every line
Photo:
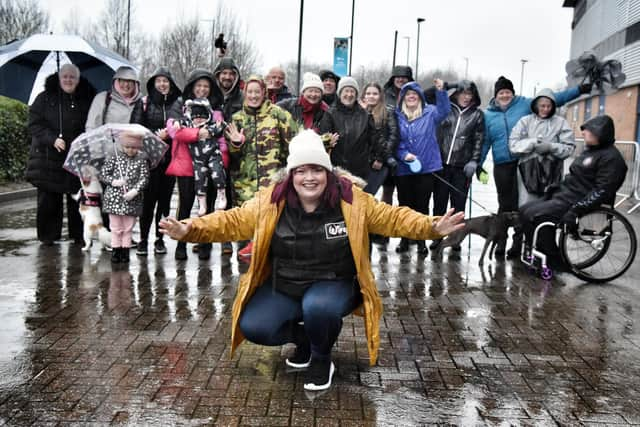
311, 80
307, 148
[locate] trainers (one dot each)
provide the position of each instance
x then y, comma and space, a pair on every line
434, 245
204, 252
141, 249
227, 248
159, 247
319, 375
403, 246
245, 253
181, 252
301, 357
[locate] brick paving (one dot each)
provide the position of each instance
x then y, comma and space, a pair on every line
461, 345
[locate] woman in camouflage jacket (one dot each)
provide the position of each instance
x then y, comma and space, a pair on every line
258, 137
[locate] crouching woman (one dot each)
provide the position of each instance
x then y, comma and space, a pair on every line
310, 264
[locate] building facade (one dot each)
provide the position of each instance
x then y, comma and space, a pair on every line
611, 29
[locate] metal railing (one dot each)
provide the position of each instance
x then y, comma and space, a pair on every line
630, 188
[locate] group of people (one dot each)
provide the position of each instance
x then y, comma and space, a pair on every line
292, 180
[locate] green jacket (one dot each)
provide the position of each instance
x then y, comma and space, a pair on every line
267, 133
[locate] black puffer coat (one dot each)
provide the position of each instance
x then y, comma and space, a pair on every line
595, 175
153, 111
460, 135
44, 167
359, 140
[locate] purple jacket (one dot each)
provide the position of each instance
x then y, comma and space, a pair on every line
419, 136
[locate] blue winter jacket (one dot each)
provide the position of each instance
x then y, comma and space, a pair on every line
498, 124
418, 137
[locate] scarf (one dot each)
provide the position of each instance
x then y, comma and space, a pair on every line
308, 111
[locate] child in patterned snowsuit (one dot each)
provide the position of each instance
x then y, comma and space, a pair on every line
125, 175
207, 154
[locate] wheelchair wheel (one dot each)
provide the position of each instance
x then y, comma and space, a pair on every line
603, 248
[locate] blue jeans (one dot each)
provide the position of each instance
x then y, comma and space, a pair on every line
272, 318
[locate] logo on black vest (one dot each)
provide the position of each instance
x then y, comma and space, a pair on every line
335, 230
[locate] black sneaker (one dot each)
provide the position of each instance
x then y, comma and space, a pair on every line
141, 249
301, 357
227, 248
319, 375
434, 244
403, 246
115, 256
159, 247
204, 252
422, 248
181, 252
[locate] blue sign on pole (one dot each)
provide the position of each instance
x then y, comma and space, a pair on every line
341, 56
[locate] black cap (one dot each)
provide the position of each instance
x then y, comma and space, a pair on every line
328, 74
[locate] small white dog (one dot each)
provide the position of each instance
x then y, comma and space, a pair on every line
89, 198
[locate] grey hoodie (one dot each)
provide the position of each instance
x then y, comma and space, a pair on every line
117, 109
531, 130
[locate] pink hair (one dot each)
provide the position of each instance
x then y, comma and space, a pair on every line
336, 188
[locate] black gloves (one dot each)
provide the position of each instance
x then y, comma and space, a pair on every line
585, 88
570, 221
448, 85
392, 163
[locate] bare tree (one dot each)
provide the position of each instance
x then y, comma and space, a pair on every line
75, 25
20, 19
112, 26
240, 47
184, 47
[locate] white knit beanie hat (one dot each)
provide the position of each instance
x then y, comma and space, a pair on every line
311, 80
348, 81
307, 148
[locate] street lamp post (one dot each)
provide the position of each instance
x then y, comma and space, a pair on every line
523, 61
213, 49
466, 67
408, 42
420, 21
395, 45
128, 26
353, 9
300, 46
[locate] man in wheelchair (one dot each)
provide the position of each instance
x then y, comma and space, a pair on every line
594, 178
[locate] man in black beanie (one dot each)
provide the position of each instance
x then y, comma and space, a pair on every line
330, 84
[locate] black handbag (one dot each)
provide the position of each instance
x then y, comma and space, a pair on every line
538, 173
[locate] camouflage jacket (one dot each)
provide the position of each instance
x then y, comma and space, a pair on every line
267, 133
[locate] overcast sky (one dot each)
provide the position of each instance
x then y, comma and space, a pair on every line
494, 34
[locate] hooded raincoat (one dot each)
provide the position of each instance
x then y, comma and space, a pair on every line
257, 220
231, 101
419, 136
110, 106
530, 131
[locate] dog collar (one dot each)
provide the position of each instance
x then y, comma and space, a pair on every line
92, 199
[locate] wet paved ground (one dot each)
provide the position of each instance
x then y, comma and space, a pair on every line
460, 345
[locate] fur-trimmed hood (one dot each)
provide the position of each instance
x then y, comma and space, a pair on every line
84, 89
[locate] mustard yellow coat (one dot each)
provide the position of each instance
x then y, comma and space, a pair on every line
257, 218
